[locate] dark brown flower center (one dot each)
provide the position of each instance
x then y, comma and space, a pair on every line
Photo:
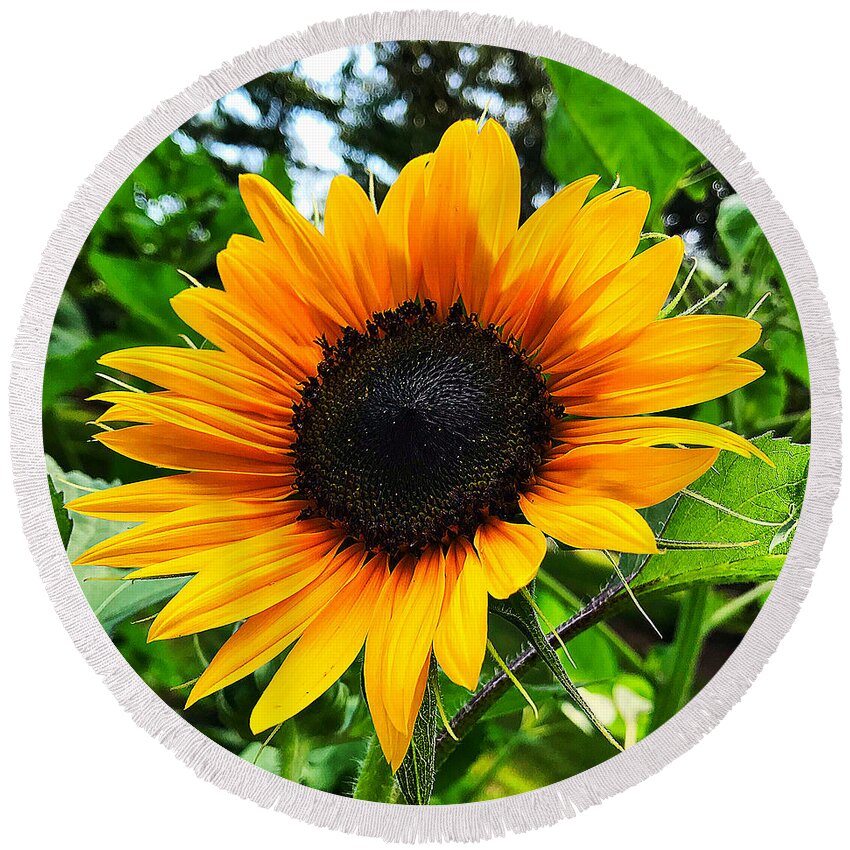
418, 428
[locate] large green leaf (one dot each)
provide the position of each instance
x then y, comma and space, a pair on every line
144, 288
759, 506
597, 129
112, 600
739, 500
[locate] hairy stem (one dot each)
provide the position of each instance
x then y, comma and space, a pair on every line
375, 782
466, 717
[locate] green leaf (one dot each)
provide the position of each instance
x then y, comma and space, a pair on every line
63, 520
144, 288
771, 499
417, 771
518, 609
87, 530
70, 329
597, 129
277, 173
112, 599
67, 372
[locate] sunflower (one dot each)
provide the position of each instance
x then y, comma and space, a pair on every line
396, 413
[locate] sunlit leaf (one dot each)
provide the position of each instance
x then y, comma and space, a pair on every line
144, 288
597, 129
750, 488
112, 600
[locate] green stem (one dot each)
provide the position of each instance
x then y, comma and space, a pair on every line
591, 614
685, 652
629, 655
375, 781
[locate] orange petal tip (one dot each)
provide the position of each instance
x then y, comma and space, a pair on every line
194, 696
160, 632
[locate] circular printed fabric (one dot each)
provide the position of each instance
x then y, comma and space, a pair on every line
426, 422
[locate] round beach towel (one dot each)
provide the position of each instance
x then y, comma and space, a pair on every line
425, 411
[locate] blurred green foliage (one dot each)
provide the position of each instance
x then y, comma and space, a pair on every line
384, 104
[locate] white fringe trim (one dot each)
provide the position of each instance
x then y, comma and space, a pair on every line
472, 821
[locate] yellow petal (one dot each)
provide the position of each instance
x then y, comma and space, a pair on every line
639, 395
245, 578
400, 217
588, 522
636, 475
394, 743
325, 650
532, 256
394, 730
148, 499
198, 528
265, 635
618, 305
461, 637
445, 219
654, 431
166, 407
218, 317
510, 555
470, 213
357, 241
494, 202
251, 273
302, 252
411, 634
214, 376
175, 447
621, 214
662, 351
603, 236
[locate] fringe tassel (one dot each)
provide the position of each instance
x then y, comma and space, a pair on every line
475, 821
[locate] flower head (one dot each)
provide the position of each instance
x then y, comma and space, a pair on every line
396, 413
